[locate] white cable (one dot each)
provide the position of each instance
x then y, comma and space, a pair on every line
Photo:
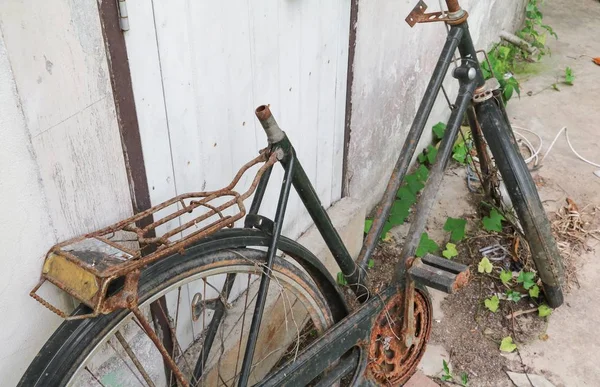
536, 153
574, 151
532, 151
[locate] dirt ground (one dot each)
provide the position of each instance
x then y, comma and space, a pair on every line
564, 348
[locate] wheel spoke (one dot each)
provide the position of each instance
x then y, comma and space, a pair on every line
176, 322
161, 324
242, 330
134, 359
213, 327
124, 362
94, 376
174, 337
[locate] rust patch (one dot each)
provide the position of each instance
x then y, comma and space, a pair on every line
454, 16
263, 112
390, 361
107, 254
461, 280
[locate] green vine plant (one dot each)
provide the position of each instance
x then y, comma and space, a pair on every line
525, 284
448, 376
535, 31
505, 59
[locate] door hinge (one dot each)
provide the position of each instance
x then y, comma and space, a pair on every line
123, 16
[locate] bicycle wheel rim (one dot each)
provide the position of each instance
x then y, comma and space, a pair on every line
284, 273
524, 198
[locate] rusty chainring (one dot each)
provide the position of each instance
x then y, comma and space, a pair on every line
390, 362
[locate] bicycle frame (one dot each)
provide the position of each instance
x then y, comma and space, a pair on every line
336, 345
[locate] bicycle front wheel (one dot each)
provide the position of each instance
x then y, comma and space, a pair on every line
207, 300
524, 197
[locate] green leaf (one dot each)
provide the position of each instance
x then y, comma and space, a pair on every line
503, 51
413, 183
485, 266
507, 345
492, 303
534, 292
386, 228
439, 129
494, 221
446, 368
555, 87
513, 296
569, 76
459, 153
505, 276
544, 310
508, 92
422, 173
426, 245
368, 224
431, 154
456, 227
422, 157
550, 30
371, 263
341, 279
450, 251
526, 278
517, 90
399, 212
406, 195
464, 378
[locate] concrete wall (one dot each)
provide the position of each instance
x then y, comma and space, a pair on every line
392, 66
61, 162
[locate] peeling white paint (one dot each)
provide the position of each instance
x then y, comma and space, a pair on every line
61, 161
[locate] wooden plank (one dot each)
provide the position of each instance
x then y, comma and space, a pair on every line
54, 86
148, 93
68, 106
219, 61
326, 61
83, 172
341, 87
27, 233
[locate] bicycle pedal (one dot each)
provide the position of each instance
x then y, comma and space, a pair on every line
439, 273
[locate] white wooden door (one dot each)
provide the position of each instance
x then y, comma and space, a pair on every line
199, 69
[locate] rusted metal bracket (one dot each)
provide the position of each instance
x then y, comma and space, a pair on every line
418, 15
85, 267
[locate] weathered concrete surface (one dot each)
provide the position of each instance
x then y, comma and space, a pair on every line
569, 357
392, 67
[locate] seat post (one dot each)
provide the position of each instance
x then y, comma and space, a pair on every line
453, 5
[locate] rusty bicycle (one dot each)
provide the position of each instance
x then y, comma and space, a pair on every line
178, 296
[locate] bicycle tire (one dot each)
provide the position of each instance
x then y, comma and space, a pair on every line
63, 354
524, 197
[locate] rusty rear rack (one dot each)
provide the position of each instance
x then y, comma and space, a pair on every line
86, 266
